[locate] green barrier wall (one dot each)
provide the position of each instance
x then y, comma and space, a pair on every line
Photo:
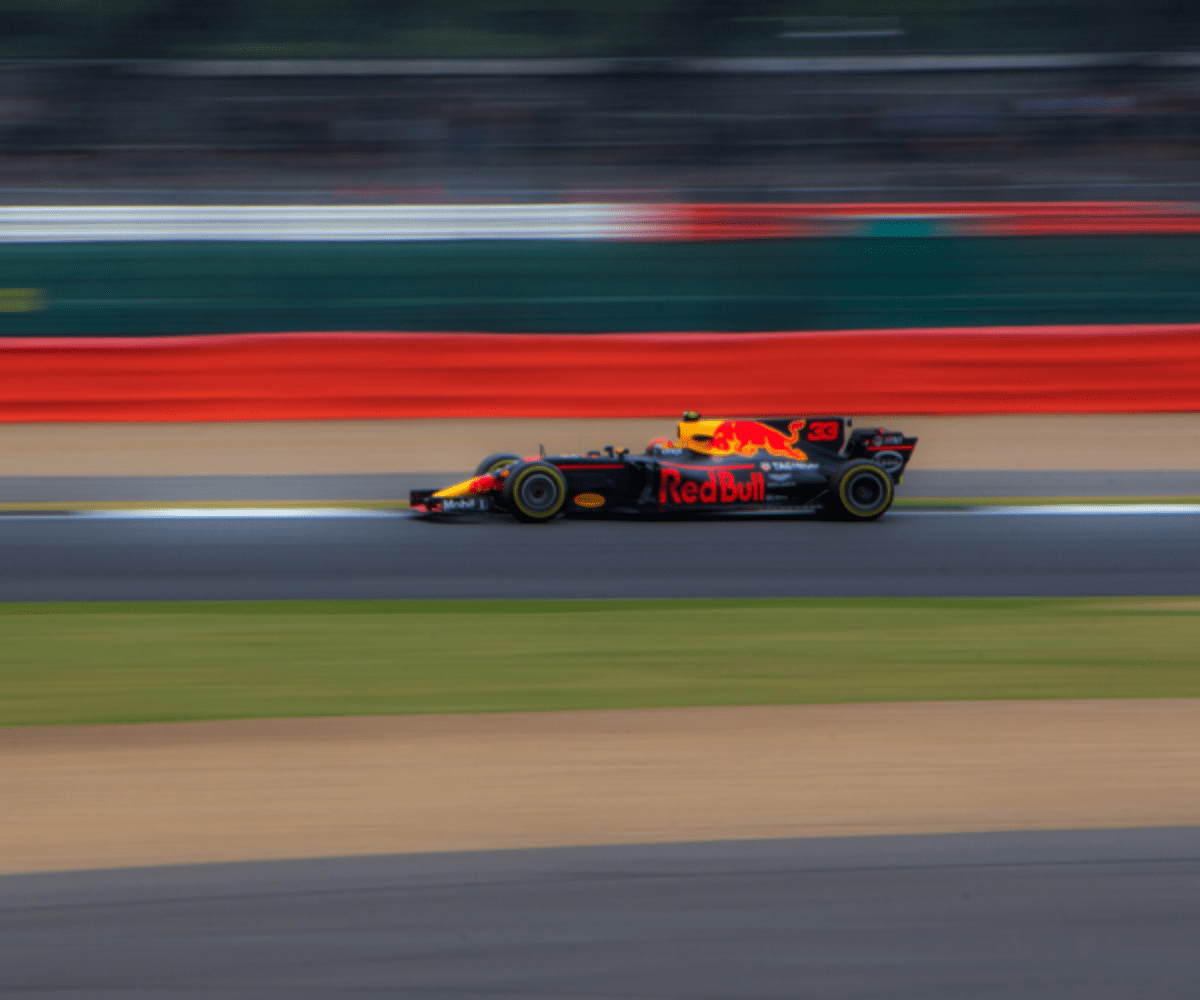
535, 286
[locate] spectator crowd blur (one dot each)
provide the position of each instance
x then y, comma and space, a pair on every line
704, 100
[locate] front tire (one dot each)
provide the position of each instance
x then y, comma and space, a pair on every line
862, 491
535, 492
494, 462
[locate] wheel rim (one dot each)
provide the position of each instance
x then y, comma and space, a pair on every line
538, 493
865, 492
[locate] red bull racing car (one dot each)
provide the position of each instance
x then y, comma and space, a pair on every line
817, 465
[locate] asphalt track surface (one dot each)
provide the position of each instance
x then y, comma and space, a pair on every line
212, 555
1100, 914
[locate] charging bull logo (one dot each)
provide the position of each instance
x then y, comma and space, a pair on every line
720, 487
749, 437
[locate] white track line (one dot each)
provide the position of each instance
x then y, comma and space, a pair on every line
339, 513
1073, 509
245, 513
207, 513
1055, 510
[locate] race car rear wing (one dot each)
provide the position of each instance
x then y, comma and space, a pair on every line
890, 449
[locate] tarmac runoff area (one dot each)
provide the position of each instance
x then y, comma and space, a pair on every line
1105, 915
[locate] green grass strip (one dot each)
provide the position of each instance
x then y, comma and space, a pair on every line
101, 663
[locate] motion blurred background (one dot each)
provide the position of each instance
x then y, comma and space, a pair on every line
267, 265
466, 100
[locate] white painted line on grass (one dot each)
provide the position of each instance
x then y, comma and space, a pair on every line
206, 513
244, 513
1052, 510
1083, 509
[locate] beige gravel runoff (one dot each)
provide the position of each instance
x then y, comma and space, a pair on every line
113, 796
1141, 441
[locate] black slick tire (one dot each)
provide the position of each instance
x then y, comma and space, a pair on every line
494, 462
860, 491
534, 492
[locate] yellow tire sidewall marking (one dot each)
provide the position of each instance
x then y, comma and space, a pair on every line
516, 491
878, 508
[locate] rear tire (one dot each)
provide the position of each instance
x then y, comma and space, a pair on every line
535, 492
494, 462
862, 491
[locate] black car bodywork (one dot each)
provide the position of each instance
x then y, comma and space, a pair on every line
743, 465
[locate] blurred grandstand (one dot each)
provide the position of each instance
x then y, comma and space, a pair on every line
465, 101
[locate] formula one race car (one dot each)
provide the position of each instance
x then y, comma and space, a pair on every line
798, 464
